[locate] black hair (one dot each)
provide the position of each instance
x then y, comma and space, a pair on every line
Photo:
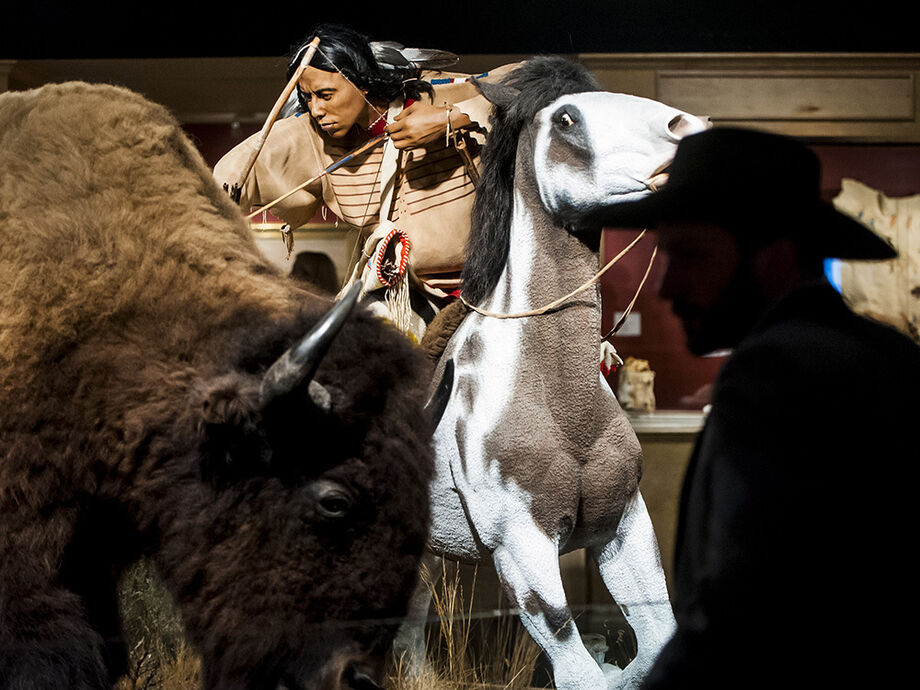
534, 85
342, 49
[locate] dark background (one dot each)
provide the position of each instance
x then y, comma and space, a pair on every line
44, 29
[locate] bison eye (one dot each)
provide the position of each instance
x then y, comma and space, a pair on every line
333, 501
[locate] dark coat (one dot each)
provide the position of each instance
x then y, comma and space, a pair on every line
793, 518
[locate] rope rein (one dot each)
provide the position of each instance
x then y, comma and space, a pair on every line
629, 307
576, 291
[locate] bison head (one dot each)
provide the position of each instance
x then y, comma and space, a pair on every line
297, 528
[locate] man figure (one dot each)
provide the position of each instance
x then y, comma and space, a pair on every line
790, 568
410, 198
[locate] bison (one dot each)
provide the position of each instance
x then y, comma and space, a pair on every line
159, 398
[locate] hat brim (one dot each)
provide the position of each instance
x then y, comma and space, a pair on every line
831, 232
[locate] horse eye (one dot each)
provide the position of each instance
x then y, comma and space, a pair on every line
565, 119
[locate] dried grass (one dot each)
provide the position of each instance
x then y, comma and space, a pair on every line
465, 650
160, 658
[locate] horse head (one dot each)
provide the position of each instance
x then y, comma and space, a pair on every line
595, 149
591, 149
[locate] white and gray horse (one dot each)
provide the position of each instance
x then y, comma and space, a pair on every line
535, 457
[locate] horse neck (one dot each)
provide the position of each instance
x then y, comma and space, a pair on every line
544, 263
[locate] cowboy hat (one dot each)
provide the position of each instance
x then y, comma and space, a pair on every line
751, 182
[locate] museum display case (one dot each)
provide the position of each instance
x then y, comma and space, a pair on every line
859, 113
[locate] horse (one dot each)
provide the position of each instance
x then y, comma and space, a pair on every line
534, 456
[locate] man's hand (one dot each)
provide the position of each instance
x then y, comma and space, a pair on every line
422, 123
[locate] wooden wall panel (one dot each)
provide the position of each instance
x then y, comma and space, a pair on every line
829, 97
765, 96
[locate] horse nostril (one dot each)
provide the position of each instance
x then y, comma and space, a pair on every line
359, 679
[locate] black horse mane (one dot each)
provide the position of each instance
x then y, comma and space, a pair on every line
539, 82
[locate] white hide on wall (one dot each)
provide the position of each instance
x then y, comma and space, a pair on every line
887, 291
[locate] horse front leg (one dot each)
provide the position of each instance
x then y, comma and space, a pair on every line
410, 645
527, 562
630, 566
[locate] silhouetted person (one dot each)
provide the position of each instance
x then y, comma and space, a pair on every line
793, 527
316, 269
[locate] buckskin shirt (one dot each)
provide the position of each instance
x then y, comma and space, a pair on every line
432, 186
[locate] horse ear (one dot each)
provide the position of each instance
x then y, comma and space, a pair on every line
498, 94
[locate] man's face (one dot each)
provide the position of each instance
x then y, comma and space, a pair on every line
335, 103
710, 285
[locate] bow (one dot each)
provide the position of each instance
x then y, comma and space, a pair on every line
236, 190
388, 54
366, 146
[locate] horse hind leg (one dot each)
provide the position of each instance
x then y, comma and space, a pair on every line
527, 561
630, 566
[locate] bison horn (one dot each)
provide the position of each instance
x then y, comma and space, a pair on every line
301, 361
437, 403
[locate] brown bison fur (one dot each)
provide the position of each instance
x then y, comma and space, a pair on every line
136, 321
